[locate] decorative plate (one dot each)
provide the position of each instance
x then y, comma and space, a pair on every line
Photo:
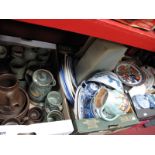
108, 78
129, 74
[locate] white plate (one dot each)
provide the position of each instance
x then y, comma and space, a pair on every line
80, 107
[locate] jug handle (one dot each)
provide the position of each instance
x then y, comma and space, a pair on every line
107, 119
53, 82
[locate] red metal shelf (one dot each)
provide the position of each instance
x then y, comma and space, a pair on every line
103, 28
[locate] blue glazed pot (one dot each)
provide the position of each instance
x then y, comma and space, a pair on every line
43, 81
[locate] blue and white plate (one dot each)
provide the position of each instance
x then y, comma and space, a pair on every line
83, 100
108, 78
64, 86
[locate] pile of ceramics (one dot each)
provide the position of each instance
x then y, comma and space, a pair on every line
101, 96
26, 87
106, 95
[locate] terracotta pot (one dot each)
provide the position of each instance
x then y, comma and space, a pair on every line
13, 100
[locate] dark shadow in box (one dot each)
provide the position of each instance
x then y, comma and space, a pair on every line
145, 114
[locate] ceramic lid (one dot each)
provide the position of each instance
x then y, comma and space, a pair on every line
42, 77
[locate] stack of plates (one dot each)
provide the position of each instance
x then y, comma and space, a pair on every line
67, 78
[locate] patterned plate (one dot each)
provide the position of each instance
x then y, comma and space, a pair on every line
129, 74
108, 78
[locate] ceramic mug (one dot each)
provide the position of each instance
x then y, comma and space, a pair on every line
53, 101
110, 104
18, 66
42, 83
30, 54
3, 52
43, 55
17, 52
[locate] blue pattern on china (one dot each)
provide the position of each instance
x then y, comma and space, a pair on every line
144, 101
108, 78
64, 86
85, 106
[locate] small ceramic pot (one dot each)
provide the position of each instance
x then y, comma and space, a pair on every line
17, 52
53, 101
35, 114
54, 115
18, 67
29, 54
43, 81
3, 52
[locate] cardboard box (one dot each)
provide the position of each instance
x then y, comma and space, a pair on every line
47, 128
101, 55
87, 126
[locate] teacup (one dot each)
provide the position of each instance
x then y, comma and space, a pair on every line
53, 101
110, 104
18, 66
3, 52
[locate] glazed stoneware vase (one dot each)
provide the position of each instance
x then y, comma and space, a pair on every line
13, 100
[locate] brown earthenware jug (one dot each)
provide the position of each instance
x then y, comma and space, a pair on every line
13, 100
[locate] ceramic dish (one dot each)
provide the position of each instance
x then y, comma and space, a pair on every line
68, 78
64, 87
83, 100
129, 74
108, 78
80, 103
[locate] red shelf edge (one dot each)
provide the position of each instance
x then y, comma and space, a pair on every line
103, 28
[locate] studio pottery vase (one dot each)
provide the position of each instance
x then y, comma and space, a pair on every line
13, 100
